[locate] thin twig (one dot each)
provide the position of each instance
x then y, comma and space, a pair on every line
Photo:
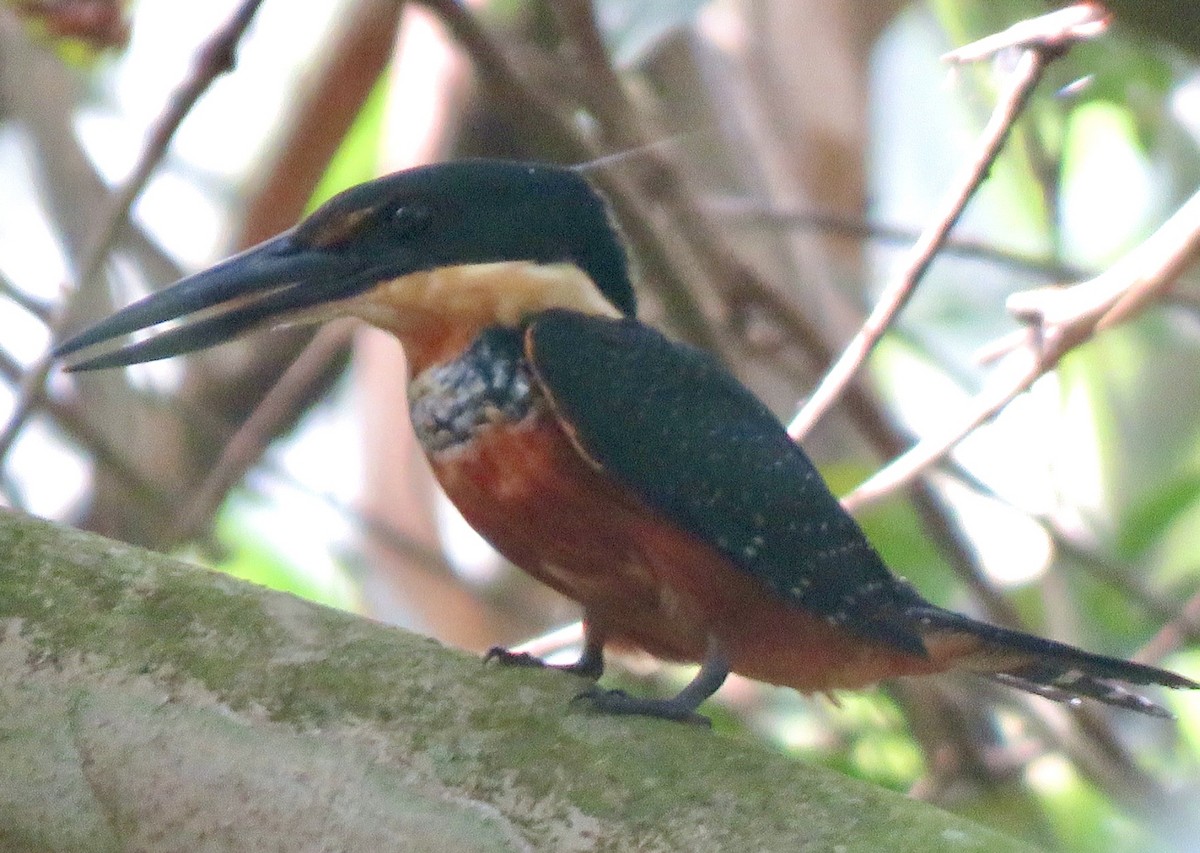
1052, 31
749, 212
526, 104
430, 561
1018, 372
1185, 625
351, 64
1059, 320
276, 408
42, 310
321, 115
1182, 623
215, 58
79, 429
1029, 70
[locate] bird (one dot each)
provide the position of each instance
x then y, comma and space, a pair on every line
632, 473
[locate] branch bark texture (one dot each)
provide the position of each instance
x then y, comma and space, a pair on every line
150, 705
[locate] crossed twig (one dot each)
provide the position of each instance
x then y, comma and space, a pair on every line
1041, 40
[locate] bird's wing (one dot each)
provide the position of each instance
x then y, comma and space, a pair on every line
670, 423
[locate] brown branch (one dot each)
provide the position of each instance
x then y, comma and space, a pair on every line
749, 212
1059, 319
604, 90
215, 58
1184, 626
274, 410
324, 111
1025, 77
39, 309
266, 371
662, 255
1182, 623
79, 429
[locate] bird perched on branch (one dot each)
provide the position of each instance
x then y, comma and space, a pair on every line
631, 473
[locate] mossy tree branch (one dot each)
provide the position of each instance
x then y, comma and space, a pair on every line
146, 704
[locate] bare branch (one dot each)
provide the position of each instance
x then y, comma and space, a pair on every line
276, 408
1183, 627
1059, 320
749, 212
1029, 70
33, 305
1053, 31
214, 59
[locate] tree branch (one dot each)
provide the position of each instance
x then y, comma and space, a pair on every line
1058, 320
1043, 39
155, 705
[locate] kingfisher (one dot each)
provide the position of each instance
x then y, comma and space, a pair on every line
632, 473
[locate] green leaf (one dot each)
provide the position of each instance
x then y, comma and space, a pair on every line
1147, 523
249, 559
1083, 819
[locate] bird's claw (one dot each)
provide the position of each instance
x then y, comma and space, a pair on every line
588, 666
503, 657
621, 703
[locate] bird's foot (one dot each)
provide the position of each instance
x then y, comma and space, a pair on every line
503, 657
587, 666
620, 702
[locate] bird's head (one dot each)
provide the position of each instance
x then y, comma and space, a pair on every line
431, 254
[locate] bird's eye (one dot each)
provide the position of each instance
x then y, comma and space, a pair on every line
333, 228
407, 220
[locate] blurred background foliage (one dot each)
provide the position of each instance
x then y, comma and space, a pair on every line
777, 157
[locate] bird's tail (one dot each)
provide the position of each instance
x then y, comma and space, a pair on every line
1044, 667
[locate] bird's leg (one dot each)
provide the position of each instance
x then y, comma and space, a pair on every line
590, 663
681, 707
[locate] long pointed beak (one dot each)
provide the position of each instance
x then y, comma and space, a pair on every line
258, 287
